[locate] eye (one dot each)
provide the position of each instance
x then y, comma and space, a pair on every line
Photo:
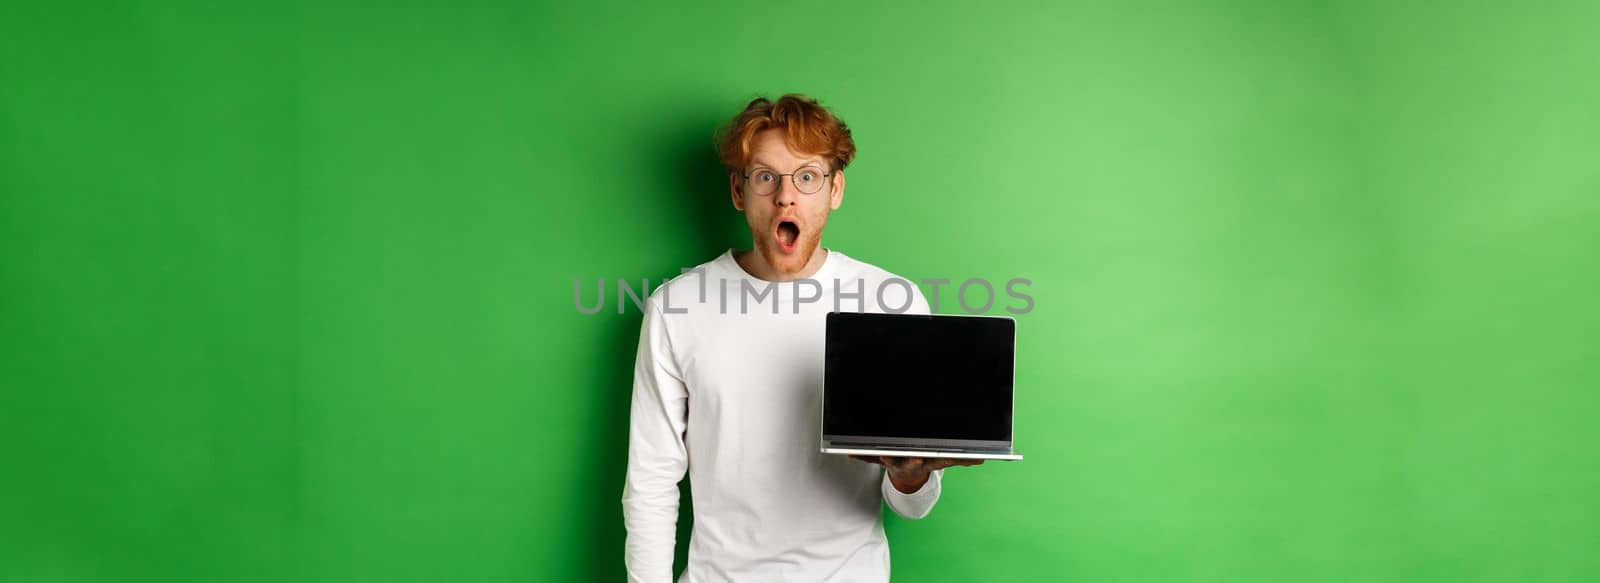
765, 176
809, 175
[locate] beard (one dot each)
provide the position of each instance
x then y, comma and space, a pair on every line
792, 262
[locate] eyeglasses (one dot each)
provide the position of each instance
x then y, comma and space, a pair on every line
765, 182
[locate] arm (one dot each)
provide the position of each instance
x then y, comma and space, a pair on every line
657, 457
919, 501
911, 485
912, 496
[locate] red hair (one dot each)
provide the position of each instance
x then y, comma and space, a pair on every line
808, 127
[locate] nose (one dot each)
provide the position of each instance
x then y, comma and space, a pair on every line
787, 195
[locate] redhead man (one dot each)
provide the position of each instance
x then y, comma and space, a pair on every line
728, 381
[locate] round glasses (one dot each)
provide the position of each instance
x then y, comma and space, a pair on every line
806, 180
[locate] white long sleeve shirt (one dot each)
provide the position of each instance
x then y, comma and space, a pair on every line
731, 392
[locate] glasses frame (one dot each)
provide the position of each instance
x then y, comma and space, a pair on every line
826, 176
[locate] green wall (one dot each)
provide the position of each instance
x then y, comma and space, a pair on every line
286, 290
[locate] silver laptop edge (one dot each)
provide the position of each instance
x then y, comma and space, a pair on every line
918, 453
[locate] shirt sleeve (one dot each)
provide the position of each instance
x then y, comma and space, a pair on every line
917, 504
657, 456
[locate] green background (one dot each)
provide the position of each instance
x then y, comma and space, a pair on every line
286, 289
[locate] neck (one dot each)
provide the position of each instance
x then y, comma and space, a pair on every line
756, 265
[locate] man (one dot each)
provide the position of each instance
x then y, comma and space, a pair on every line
728, 381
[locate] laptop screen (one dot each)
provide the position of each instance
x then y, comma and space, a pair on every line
918, 376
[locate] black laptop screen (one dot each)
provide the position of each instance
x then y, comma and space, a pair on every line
915, 376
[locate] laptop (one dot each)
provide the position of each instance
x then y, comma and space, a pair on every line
918, 385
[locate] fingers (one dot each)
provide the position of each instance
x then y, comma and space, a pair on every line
906, 464
900, 463
943, 463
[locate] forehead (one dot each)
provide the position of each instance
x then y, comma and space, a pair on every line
768, 148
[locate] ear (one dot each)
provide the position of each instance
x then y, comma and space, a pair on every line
736, 189
836, 190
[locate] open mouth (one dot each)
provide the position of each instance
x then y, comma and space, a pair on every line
788, 235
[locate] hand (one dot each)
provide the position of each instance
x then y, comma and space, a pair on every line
908, 474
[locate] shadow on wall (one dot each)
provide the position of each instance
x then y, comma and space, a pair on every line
697, 182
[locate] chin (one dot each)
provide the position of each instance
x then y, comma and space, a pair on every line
789, 263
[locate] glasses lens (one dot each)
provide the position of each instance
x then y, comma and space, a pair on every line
764, 182
808, 180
